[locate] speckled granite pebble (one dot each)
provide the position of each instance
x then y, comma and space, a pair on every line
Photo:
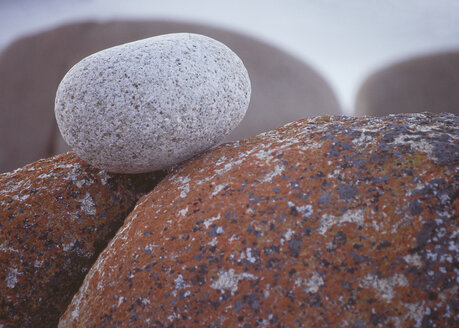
56, 216
325, 222
145, 105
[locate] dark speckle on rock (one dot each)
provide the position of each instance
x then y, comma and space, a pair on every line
238, 305
360, 324
294, 246
339, 239
427, 231
415, 207
325, 198
346, 191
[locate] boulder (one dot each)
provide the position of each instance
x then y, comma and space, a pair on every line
428, 83
283, 87
325, 222
56, 216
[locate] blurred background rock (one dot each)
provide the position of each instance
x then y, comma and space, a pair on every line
420, 84
296, 51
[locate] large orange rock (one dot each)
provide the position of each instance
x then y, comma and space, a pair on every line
427, 83
283, 87
325, 222
56, 216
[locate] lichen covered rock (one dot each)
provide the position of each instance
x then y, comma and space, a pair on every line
56, 215
325, 222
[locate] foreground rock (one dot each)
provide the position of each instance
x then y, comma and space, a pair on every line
146, 105
56, 215
284, 88
427, 83
325, 222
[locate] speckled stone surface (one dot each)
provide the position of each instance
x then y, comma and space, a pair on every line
146, 105
325, 222
56, 216
28, 130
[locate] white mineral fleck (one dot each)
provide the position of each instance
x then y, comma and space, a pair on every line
88, 206
229, 280
312, 284
327, 220
12, 279
413, 259
208, 222
385, 286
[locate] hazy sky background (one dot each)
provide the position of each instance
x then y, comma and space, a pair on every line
343, 40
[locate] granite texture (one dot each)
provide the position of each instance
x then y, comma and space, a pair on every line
149, 104
325, 222
32, 67
56, 216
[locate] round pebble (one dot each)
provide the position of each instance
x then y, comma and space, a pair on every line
149, 104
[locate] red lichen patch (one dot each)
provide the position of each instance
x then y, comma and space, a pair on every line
325, 222
56, 216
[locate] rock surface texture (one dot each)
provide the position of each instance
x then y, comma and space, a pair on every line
427, 83
284, 88
325, 222
146, 105
56, 215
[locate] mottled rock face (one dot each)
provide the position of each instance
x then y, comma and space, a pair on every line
325, 222
56, 215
